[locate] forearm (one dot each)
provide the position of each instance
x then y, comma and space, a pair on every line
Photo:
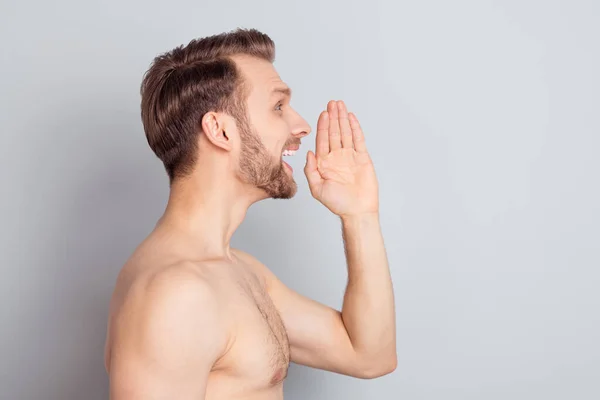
368, 311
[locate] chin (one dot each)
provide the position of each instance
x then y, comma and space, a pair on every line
276, 182
285, 192
284, 186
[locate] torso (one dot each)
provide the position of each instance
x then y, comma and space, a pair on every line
256, 364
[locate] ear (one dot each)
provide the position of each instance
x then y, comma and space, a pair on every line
214, 127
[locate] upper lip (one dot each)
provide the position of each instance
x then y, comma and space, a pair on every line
293, 147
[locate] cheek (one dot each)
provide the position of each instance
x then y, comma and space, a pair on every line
276, 136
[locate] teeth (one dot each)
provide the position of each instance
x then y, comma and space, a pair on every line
289, 152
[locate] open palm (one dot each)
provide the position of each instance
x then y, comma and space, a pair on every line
341, 174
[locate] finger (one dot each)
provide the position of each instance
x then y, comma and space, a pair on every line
357, 134
345, 130
334, 127
322, 145
312, 173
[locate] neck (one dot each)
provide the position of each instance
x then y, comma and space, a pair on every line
207, 209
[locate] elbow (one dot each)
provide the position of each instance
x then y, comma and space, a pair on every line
378, 367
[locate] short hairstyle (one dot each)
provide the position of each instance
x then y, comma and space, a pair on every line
185, 83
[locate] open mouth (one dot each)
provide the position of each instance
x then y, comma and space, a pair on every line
290, 151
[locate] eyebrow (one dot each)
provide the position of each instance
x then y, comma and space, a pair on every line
282, 90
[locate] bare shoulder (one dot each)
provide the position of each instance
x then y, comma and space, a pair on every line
247, 257
179, 294
251, 261
180, 289
184, 277
170, 324
267, 277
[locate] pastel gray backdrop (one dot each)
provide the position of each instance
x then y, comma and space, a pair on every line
482, 120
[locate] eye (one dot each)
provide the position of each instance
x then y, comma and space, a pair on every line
278, 106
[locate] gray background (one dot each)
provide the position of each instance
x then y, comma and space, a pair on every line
482, 119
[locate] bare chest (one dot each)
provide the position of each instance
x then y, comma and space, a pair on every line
261, 349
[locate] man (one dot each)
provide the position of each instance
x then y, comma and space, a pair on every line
192, 318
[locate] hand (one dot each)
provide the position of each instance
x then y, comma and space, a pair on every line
341, 174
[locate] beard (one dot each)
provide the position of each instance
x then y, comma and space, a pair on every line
259, 168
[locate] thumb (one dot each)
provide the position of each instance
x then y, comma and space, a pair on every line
310, 170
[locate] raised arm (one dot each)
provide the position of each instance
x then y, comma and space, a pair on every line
360, 340
368, 311
173, 335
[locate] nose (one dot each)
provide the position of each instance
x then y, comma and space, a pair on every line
301, 128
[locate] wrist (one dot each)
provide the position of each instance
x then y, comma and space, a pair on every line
360, 217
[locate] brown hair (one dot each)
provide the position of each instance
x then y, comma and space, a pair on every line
185, 83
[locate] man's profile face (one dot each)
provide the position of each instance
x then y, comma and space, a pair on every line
270, 127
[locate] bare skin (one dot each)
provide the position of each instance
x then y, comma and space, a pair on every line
192, 318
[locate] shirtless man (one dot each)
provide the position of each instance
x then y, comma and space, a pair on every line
192, 318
